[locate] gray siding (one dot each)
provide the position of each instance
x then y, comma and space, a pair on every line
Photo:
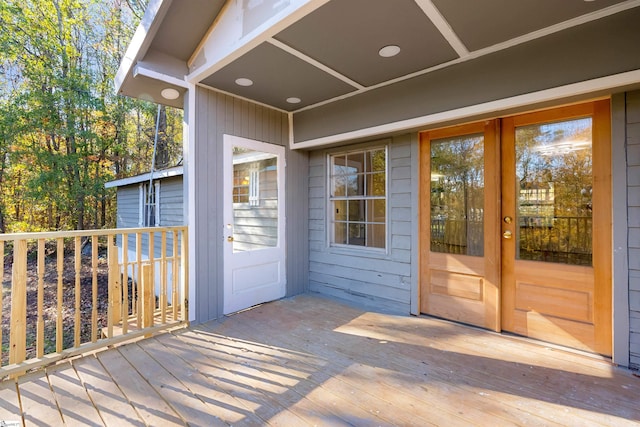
592, 50
218, 114
171, 212
633, 194
171, 201
128, 206
382, 279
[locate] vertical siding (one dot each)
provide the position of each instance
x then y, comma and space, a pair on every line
382, 279
219, 114
633, 194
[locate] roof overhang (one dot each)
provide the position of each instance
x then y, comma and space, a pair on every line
324, 62
146, 177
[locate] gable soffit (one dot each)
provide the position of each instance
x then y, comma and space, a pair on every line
302, 54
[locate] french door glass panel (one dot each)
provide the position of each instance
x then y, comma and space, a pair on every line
554, 184
457, 195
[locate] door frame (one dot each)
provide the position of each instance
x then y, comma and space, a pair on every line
602, 127
276, 253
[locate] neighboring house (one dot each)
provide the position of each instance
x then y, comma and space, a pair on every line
402, 141
135, 209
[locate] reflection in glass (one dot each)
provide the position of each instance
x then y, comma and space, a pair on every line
255, 200
555, 181
457, 195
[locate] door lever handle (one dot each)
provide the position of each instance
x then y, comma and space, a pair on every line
507, 234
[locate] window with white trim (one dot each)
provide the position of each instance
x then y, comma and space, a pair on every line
149, 211
358, 198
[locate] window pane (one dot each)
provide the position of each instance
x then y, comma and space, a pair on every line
376, 235
554, 169
376, 210
357, 234
340, 210
457, 195
355, 185
376, 184
377, 161
340, 236
356, 210
255, 197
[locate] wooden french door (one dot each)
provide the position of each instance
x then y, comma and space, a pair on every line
556, 226
516, 225
459, 213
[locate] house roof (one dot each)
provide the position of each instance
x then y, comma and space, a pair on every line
296, 55
145, 177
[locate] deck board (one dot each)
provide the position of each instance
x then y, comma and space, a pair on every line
314, 361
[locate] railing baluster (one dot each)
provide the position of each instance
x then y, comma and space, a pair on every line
94, 288
152, 262
40, 323
18, 331
184, 276
174, 281
125, 283
163, 278
112, 308
59, 318
78, 307
139, 281
1, 295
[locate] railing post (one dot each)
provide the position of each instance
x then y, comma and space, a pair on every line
114, 314
184, 275
147, 296
40, 322
18, 332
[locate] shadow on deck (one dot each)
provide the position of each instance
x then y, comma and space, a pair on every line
314, 361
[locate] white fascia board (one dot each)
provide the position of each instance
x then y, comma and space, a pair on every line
145, 177
595, 86
140, 70
226, 42
156, 9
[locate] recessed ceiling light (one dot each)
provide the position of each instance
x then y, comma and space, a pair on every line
169, 93
294, 100
244, 82
389, 51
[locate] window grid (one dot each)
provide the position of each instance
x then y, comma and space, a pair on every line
358, 198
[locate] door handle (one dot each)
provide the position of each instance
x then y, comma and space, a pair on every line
230, 239
507, 234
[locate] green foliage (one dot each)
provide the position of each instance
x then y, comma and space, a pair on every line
63, 130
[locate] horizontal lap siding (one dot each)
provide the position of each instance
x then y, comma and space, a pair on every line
383, 279
171, 202
633, 181
128, 206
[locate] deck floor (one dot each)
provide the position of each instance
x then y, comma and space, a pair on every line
314, 361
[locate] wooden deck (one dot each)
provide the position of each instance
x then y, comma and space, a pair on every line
314, 361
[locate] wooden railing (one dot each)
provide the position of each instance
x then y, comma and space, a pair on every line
67, 293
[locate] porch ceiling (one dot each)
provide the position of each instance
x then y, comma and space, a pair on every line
333, 51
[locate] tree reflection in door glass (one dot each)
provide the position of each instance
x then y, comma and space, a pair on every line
554, 199
457, 195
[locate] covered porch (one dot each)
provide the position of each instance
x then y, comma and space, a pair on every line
309, 360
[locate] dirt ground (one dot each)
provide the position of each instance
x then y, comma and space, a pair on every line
51, 299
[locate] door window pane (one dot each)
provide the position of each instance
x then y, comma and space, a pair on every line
255, 200
554, 192
457, 195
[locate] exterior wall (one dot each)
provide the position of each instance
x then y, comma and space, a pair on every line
633, 194
217, 114
128, 206
357, 274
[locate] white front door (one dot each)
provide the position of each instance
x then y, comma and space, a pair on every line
254, 223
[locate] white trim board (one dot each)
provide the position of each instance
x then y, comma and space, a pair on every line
595, 86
